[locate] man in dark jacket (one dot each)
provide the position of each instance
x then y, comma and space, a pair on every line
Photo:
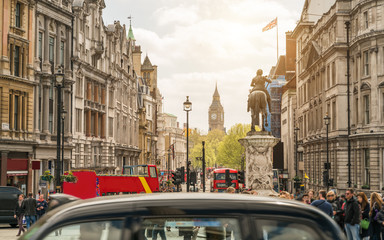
30, 210
352, 216
322, 204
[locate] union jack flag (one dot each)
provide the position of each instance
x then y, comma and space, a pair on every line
270, 25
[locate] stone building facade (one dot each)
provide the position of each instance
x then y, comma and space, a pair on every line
322, 89
53, 50
106, 127
17, 84
172, 142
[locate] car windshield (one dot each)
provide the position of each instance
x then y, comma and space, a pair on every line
190, 227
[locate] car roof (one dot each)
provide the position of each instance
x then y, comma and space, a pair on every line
182, 204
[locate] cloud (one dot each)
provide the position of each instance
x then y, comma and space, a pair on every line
198, 42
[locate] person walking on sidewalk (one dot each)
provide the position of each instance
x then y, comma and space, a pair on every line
30, 210
42, 206
352, 216
19, 213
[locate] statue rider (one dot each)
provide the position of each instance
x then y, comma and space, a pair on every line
258, 83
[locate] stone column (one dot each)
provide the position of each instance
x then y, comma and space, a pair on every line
58, 43
46, 64
96, 124
36, 106
29, 180
103, 125
258, 155
88, 125
3, 175
45, 118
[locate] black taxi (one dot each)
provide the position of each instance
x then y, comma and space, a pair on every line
185, 216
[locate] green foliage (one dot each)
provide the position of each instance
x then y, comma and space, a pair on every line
47, 176
212, 141
69, 178
365, 187
230, 150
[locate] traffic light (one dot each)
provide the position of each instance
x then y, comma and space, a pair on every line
182, 172
174, 178
228, 180
330, 182
325, 178
192, 177
241, 177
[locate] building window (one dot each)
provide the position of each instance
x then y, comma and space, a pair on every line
366, 63
16, 61
356, 111
16, 113
18, 15
79, 114
366, 22
93, 124
40, 46
328, 77
333, 120
333, 73
366, 167
366, 109
110, 126
51, 50
110, 101
79, 87
50, 120
62, 53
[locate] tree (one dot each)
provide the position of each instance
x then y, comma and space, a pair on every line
212, 142
230, 150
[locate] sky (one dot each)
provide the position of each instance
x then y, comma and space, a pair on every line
198, 43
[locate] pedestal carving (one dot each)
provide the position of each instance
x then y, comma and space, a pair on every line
258, 155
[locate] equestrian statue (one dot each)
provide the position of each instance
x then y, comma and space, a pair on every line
258, 99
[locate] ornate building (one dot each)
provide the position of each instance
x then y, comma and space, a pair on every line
322, 87
53, 49
216, 113
17, 83
149, 107
105, 132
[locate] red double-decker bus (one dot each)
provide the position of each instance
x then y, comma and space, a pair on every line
134, 179
218, 182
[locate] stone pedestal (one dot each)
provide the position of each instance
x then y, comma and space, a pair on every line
258, 155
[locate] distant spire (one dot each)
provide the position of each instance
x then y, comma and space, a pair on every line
130, 33
216, 93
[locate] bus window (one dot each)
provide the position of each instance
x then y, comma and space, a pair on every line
221, 176
152, 171
136, 170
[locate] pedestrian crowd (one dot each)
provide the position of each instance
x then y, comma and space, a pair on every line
30, 210
360, 217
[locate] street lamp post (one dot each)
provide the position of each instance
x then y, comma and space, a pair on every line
326, 121
59, 77
63, 115
203, 143
187, 107
296, 157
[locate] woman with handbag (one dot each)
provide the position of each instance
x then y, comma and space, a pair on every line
376, 206
19, 213
364, 206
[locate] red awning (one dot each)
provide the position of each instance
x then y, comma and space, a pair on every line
17, 164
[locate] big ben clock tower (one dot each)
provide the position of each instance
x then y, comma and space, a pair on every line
216, 113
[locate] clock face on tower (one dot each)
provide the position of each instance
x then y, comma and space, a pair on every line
213, 116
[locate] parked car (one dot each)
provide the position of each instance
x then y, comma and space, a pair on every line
8, 200
185, 215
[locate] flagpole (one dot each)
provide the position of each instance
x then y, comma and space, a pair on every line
277, 39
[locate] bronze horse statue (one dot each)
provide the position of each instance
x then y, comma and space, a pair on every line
257, 103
